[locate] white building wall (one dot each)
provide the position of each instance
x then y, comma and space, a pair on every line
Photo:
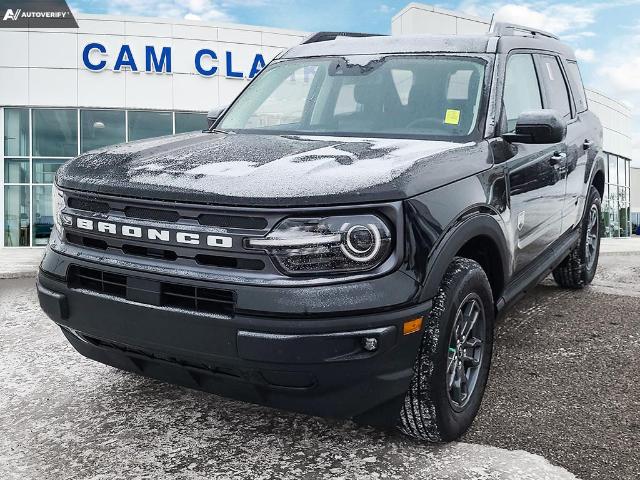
616, 121
418, 18
44, 67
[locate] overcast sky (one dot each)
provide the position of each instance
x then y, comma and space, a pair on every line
604, 34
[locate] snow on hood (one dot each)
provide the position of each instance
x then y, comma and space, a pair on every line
273, 170
340, 166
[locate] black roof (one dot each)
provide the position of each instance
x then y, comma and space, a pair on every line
502, 39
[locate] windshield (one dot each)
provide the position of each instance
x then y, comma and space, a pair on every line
395, 96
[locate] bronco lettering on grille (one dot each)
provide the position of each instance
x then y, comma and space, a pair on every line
154, 234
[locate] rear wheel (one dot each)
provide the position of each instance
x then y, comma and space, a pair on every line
579, 268
452, 367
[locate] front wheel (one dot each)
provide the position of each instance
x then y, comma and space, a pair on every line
452, 367
579, 268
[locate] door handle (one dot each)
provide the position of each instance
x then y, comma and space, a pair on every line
557, 157
587, 144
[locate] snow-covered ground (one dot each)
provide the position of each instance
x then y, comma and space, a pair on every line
63, 416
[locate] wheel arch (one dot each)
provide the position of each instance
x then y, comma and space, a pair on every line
596, 176
478, 238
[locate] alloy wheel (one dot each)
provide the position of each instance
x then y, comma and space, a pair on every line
591, 242
465, 353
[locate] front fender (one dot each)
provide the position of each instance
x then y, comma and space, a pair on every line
479, 225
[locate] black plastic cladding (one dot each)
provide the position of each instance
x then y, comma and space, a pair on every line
247, 265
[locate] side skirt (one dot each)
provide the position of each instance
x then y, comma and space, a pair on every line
529, 277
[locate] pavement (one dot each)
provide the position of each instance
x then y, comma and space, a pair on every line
620, 245
562, 400
19, 262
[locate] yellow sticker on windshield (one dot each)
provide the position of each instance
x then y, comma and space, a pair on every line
452, 117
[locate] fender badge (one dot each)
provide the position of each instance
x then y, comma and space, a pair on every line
520, 220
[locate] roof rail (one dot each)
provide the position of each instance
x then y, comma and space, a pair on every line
328, 36
503, 28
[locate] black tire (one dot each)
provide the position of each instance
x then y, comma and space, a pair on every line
429, 411
579, 268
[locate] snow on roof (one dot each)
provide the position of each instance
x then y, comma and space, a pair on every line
392, 44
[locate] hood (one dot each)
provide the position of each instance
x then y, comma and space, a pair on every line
272, 170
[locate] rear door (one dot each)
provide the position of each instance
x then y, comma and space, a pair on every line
536, 180
585, 138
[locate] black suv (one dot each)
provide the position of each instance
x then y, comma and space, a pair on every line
342, 238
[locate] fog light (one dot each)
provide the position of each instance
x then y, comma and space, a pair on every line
370, 344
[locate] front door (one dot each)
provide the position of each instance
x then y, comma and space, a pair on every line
536, 173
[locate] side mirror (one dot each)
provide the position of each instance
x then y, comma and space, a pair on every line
214, 114
538, 126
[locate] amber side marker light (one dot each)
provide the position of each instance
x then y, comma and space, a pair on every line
412, 326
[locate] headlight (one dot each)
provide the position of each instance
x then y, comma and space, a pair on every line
57, 200
327, 245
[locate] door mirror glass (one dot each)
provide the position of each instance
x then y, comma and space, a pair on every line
538, 126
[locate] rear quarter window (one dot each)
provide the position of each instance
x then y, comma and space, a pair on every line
577, 87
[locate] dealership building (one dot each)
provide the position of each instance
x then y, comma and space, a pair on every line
116, 79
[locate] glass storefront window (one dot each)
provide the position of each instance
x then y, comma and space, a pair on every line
16, 216
622, 171
42, 214
613, 169
16, 132
55, 133
616, 208
16, 170
44, 170
190, 122
101, 128
149, 124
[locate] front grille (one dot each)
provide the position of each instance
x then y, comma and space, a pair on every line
140, 251
88, 205
233, 221
152, 214
190, 215
97, 281
198, 299
184, 297
85, 241
230, 262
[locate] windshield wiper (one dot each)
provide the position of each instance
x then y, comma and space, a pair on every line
216, 130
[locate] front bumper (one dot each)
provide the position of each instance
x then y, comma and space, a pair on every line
313, 364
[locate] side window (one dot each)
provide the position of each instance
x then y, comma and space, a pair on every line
575, 80
521, 88
556, 87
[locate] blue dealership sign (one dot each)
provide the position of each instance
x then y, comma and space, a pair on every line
158, 60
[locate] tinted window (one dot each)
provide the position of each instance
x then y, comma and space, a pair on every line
16, 170
55, 133
190, 122
575, 79
16, 132
149, 124
16, 216
44, 171
521, 89
557, 94
99, 128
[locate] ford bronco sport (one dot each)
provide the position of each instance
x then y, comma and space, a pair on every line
342, 238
